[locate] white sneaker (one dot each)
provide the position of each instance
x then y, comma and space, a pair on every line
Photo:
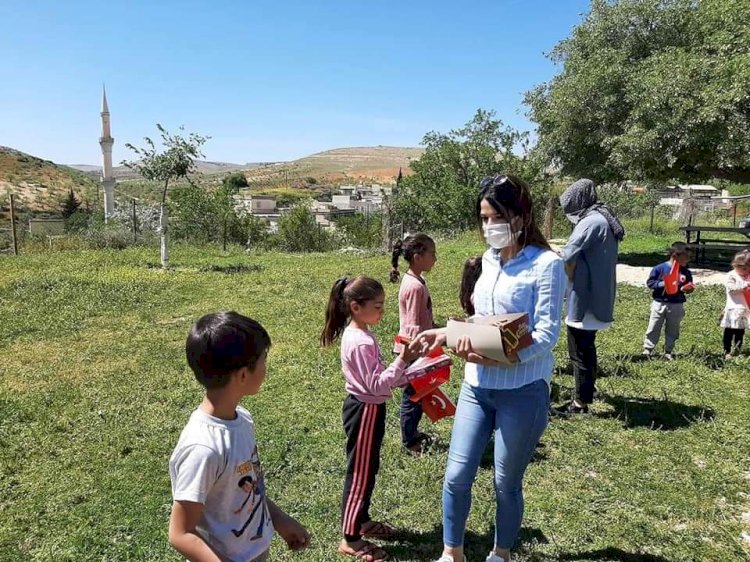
495, 558
646, 353
448, 558
669, 357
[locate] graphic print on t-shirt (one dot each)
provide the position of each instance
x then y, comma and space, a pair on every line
252, 491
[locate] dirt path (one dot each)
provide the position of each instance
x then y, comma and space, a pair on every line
633, 275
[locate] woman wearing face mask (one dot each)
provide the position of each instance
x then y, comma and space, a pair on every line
519, 274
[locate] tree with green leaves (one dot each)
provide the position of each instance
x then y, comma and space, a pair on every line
299, 232
175, 161
650, 90
235, 181
441, 192
361, 230
70, 205
208, 215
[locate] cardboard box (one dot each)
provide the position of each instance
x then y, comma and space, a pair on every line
494, 337
429, 373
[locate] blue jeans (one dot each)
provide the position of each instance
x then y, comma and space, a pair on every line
518, 417
410, 413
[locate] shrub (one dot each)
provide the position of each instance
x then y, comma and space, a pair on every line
361, 231
202, 216
235, 181
298, 232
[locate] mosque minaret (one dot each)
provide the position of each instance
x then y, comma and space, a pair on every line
106, 141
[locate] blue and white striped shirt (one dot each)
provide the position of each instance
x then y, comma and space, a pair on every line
533, 282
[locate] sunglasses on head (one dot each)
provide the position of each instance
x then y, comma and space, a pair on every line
496, 181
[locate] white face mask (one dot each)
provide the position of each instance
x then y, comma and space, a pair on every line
574, 218
499, 236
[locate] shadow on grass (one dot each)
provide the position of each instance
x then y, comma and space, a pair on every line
423, 547
646, 259
712, 260
611, 554
232, 268
621, 368
713, 361
557, 391
662, 415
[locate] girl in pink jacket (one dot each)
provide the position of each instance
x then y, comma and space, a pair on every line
414, 316
356, 304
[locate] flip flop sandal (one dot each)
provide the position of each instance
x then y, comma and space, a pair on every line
379, 530
369, 552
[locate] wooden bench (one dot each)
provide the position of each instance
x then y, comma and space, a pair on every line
700, 245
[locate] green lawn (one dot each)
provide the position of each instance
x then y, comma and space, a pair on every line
95, 390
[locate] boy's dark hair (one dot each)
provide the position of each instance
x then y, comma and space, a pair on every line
344, 292
413, 244
472, 271
222, 342
245, 480
678, 249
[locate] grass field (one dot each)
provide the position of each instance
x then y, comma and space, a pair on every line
94, 390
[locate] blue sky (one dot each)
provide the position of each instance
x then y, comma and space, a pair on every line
267, 80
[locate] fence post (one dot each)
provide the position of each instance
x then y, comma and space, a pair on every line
651, 227
13, 226
135, 225
734, 214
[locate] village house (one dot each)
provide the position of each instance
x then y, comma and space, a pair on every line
260, 206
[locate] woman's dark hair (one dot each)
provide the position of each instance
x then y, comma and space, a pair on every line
412, 245
469, 277
221, 343
511, 197
345, 291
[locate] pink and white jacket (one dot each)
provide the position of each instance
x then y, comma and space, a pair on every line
414, 308
367, 378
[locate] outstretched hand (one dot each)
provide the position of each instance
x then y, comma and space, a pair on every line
433, 339
416, 348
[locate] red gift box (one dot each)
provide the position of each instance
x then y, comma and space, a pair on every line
688, 286
432, 379
435, 370
437, 405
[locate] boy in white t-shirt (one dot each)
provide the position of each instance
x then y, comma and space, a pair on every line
221, 512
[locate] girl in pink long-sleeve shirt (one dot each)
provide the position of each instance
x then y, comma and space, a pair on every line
354, 305
415, 316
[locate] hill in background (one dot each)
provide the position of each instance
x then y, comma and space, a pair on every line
378, 164
123, 172
41, 185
